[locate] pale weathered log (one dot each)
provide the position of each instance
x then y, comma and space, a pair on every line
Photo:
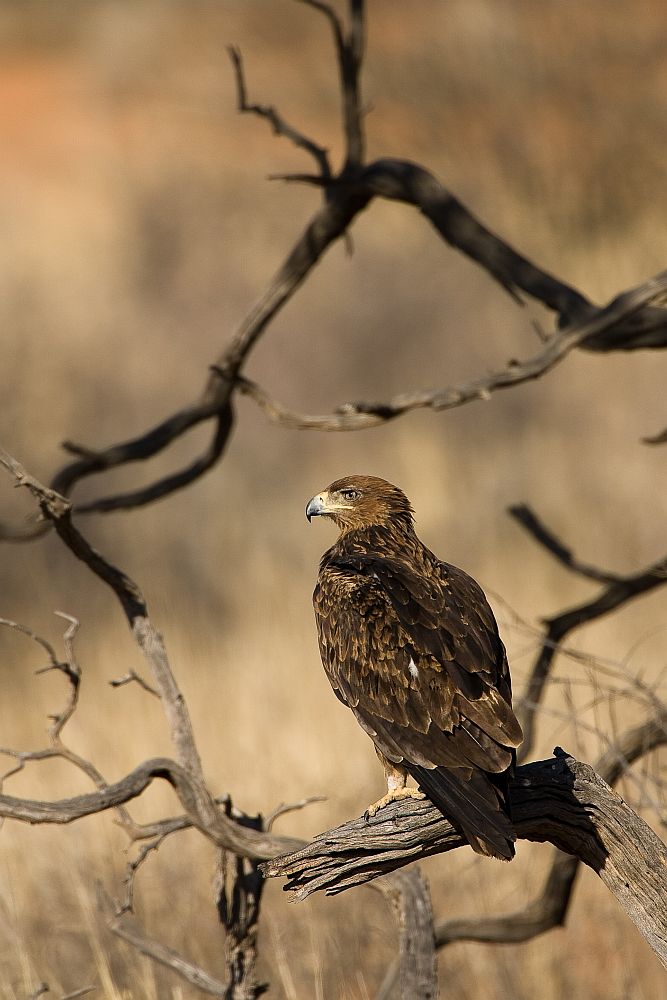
407, 891
562, 801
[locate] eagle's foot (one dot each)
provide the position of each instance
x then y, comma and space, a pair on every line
393, 795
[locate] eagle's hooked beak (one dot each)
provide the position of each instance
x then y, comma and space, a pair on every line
316, 505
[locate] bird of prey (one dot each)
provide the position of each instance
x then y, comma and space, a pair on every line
410, 644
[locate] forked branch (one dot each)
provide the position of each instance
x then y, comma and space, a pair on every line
347, 193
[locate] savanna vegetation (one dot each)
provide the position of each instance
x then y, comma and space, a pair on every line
140, 231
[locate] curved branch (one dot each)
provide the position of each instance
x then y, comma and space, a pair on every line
347, 194
225, 832
169, 484
361, 415
531, 522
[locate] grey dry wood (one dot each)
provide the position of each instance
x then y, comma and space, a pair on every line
407, 891
561, 800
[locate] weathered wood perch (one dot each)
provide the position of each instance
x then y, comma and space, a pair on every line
561, 800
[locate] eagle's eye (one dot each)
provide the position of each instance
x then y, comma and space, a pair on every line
350, 494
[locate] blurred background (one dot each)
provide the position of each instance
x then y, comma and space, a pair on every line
139, 229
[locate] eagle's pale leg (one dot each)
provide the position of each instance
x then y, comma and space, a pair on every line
397, 778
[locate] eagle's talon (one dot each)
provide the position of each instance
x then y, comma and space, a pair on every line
393, 795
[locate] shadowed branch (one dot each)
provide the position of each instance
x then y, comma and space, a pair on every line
619, 590
549, 909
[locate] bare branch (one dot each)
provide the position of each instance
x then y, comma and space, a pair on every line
530, 521
186, 777
162, 487
656, 438
276, 121
347, 194
146, 849
239, 885
124, 927
50, 652
361, 415
133, 677
223, 831
549, 909
288, 807
620, 591
349, 52
58, 509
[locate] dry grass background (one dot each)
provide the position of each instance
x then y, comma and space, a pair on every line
138, 230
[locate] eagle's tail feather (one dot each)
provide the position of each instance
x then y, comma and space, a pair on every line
476, 803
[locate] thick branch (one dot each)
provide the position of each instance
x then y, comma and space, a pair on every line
562, 801
549, 909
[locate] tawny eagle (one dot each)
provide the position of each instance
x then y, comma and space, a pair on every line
410, 644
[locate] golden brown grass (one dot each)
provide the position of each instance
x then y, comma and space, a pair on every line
138, 231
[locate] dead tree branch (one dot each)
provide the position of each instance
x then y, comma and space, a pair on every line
562, 801
362, 415
347, 194
531, 522
619, 590
124, 926
415, 969
549, 909
276, 121
239, 885
185, 775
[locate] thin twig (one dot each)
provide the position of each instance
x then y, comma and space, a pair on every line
124, 927
288, 807
133, 677
276, 121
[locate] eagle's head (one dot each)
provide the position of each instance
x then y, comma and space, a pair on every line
361, 502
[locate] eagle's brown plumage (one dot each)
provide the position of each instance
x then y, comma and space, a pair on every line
410, 644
